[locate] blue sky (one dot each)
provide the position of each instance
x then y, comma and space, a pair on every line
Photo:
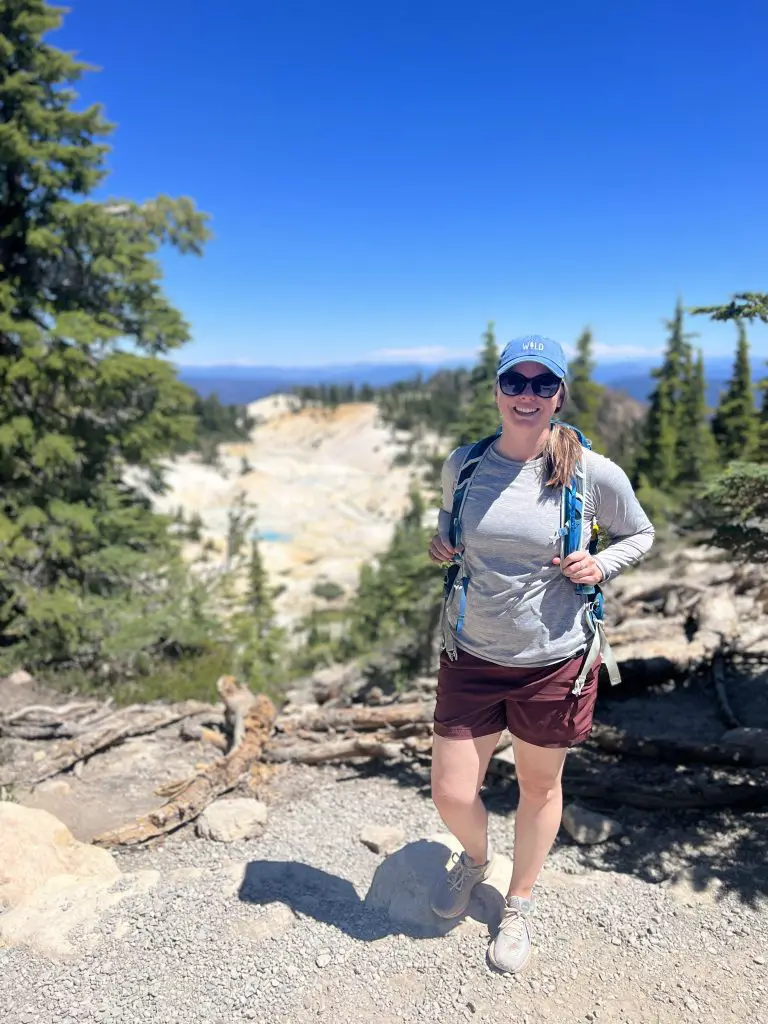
385, 178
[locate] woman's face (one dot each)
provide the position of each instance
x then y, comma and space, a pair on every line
527, 411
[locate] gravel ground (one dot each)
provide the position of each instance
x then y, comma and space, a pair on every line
275, 929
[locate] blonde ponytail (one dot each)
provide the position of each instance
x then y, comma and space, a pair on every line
561, 452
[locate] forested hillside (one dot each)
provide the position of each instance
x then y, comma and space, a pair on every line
92, 581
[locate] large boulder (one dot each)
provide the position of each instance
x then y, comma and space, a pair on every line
35, 847
749, 743
63, 918
403, 882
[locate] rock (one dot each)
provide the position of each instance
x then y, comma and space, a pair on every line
20, 678
588, 827
275, 921
62, 916
35, 847
330, 683
54, 787
323, 960
751, 743
226, 821
716, 613
403, 881
382, 838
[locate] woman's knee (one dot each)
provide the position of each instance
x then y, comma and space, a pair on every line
453, 793
539, 771
458, 769
540, 790
539, 787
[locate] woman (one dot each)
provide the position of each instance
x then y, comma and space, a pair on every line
523, 635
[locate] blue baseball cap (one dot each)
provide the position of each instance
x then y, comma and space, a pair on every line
533, 348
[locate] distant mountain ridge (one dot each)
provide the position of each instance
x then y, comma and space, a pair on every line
243, 384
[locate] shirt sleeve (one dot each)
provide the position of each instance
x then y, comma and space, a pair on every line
621, 515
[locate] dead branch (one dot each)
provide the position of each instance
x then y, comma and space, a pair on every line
41, 722
238, 701
362, 717
210, 782
669, 751
138, 720
719, 679
376, 746
675, 796
45, 711
199, 729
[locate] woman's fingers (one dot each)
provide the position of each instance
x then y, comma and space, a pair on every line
580, 567
440, 549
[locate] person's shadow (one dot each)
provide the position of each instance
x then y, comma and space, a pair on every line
397, 902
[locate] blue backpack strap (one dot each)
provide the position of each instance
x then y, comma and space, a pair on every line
461, 488
451, 579
571, 539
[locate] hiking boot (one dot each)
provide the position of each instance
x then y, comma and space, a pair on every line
450, 897
510, 951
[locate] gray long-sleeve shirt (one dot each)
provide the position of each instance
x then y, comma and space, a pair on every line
521, 610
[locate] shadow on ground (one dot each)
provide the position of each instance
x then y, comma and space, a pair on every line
715, 851
397, 902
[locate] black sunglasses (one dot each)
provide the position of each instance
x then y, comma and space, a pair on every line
544, 385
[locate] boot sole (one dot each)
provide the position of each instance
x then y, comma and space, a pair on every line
448, 917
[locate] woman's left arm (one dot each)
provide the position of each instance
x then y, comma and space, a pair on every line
620, 515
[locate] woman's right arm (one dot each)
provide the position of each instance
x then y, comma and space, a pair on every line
440, 548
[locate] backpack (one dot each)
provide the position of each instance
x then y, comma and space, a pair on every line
570, 533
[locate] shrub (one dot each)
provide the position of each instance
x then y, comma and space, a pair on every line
328, 590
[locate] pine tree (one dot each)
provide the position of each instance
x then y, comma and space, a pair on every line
744, 306
78, 279
481, 416
259, 594
584, 393
761, 452
696, 451
735, 507
735, 423
657, 464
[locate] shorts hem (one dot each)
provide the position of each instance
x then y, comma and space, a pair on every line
464, 732
560, 744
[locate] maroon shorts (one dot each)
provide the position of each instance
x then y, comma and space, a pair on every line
477, 698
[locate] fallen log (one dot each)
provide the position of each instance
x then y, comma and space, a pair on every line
137, 720
41, 722
210, 782
674, 796
362, 717
669, 751
372, 747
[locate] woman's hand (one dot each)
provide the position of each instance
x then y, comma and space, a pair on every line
580, 567
440, 549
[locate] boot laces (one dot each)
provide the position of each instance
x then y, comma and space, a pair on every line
458, 873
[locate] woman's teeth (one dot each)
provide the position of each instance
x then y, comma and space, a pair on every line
525, 412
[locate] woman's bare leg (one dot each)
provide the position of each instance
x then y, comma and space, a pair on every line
539, 774
458, 770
